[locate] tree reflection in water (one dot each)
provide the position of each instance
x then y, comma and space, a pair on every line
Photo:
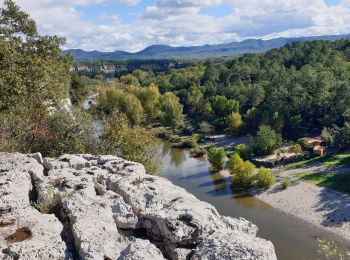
177, 156
219, 182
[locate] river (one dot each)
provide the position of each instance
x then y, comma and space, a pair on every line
293, 238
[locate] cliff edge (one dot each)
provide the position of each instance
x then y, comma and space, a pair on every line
104, 207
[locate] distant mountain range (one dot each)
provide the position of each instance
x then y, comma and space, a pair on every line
205, 51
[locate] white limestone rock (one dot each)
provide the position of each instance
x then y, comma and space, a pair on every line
104, 201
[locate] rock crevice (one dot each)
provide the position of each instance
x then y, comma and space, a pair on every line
104, 207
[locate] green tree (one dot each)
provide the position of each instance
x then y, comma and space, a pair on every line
32, 71
223, 107
111, 98
244, 151
171, 111
34, 87
266, 141
217, 158
234, 120
150, 97
241, 171
133, 143
130, 80
265, 178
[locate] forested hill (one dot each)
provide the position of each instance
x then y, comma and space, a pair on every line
205, 51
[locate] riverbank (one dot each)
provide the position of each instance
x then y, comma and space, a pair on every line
323, 207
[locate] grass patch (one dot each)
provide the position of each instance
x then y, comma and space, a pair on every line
338, 160
305, 162
329, 160
336, 181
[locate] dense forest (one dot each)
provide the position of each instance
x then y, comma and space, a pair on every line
297, 90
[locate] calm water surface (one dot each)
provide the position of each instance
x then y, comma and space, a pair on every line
293, 238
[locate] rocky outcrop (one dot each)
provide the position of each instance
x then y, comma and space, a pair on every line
103, 207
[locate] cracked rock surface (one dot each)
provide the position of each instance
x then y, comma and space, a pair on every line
104, 207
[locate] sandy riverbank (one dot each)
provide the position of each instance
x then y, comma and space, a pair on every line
322, 207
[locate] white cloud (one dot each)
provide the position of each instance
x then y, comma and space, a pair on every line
180, 22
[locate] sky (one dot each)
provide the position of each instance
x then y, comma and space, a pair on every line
131, 25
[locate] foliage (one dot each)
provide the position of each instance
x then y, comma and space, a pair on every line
337, 136
32, 69
171, 111
198, 151
217, 158
234, 120
133, 143
298, 89
242, 171
34, 86
81, 87
296, 149
266, 141
223, 107
205, 128
150, 97
330, 250
266, 178
303, 142
111, 98
244, 151
285, 183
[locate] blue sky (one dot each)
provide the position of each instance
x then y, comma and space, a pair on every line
131, 25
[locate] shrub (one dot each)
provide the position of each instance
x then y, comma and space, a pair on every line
234, 120
205, 128
304, 143
133, 143
265, 178
217, 158
244, 151
198, 152
296, 149
266, 141
242, 171
285, 183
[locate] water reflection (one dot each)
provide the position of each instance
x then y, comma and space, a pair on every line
293, 238
177, 156
219, 182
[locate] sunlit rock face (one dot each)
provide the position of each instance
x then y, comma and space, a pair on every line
104, 207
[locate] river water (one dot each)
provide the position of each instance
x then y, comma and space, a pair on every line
293, 239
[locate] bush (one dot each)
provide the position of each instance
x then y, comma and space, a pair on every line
217, 158
244, 151
234, 120
205, 128
133, 143
242, 171
296, 149
266, 141
304, 143
265, 178
198, 152
285, 183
